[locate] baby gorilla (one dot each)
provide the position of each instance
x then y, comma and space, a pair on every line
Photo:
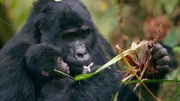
41, 60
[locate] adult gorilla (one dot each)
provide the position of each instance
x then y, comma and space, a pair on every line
68, 26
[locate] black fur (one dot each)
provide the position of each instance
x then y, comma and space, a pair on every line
52, 22
66, 25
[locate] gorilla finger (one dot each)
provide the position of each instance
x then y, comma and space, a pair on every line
156, 48
164, 69
160, 53
163, 61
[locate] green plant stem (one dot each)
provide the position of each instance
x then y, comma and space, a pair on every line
63, 74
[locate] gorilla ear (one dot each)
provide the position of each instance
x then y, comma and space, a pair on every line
41, 30
44, 24
43, 27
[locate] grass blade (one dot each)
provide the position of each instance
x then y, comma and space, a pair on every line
63, 73
148, 81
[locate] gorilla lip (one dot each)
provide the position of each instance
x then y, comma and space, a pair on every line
75, 63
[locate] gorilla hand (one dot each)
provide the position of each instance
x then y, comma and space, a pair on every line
161, 59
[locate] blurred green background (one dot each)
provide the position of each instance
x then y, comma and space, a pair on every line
120, 22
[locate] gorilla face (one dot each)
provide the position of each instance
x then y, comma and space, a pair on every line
70, 28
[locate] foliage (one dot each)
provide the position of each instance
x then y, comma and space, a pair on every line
18, 11
172, 39
176, 49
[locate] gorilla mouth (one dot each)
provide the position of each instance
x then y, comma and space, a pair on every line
72, 61
75, 66
80, 69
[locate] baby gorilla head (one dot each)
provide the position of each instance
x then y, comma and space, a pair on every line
42, 59
59, 65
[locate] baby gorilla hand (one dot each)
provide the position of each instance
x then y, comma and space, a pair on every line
42, 59
161, 59
62, 66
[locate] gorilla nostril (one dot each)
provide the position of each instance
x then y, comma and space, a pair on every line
80, 55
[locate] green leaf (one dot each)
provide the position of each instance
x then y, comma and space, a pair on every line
83, 76
171, 39
115, 96
176, 49
1, 1
173, 75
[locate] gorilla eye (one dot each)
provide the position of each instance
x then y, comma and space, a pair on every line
86, 32
68, 35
